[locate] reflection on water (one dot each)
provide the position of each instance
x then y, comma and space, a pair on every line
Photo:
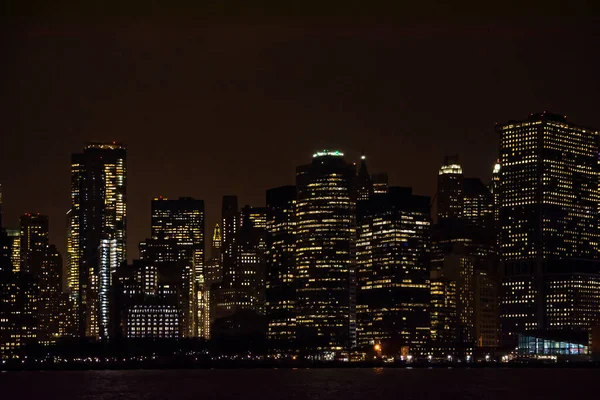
267, 384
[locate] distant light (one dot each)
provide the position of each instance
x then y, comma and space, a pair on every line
323, 153
363, 157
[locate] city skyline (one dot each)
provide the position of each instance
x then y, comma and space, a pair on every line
227, 97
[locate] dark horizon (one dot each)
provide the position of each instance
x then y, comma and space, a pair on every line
207, 110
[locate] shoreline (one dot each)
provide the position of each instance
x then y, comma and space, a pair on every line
20, 367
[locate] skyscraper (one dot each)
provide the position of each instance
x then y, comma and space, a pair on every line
183, 220
478, 204
280, 285
450, 190
393, 270
97, 231
549, 224
325, 263
364, 184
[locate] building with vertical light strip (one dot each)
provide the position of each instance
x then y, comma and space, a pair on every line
393, 238
280, 261
549, 225
325, 256
97, 232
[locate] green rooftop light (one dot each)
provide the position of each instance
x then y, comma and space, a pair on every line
323, 153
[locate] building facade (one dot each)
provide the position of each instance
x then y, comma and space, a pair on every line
548, 210
325, 256
280, 262
97, 232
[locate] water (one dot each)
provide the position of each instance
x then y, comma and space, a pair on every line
267, 384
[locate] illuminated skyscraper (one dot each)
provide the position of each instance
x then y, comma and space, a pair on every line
450, 190
281, 246
181, 219
325, 257
97, 231
444, 323
14, 236
549, 224
393, 270
34, 233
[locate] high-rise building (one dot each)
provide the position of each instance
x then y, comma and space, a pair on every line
486, 317
14, 236
43, 263
97, 232
214, 266
280, 285
450, 190
444, 323
478, 204
34, 241
393, 270
243, 251
364, 184
549, 224
181, 219
325, 256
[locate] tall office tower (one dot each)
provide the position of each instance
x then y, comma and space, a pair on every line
486, 316
478, 204
214, 266
97, 231
230, 224
49, 297
393, 270
181, 219
450, 190
34, 241
459, 266
444, 323
14, 237
325, 256
380, 183
364, 184
549, 224
43, 262
281, 245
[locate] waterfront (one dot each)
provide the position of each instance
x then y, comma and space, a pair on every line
268, 384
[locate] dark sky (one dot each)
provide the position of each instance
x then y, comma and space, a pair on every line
212, 107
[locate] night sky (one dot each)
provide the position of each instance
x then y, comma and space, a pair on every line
214, 107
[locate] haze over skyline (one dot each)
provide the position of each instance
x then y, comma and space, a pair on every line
207, 110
